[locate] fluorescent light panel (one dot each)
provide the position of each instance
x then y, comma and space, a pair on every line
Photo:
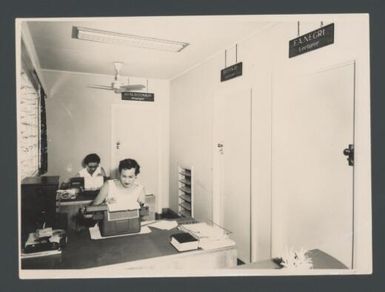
95, 35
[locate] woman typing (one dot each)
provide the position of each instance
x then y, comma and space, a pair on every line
124, 192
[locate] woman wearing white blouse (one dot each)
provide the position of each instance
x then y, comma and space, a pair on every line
92, 166
125, 192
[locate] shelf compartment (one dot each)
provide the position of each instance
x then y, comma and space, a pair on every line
185, 182
185, 173
185, 206
185, 197
185, 190
185, 213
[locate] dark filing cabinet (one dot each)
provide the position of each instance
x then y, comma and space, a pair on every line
38, 203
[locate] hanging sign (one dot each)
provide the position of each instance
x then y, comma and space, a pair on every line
231, 72
311, 41
137, 96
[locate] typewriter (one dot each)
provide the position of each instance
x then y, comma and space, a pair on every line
116, 222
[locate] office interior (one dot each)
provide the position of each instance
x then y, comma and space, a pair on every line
265, 149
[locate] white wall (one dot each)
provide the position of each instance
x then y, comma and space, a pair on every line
191, 135
79, 122
265, 58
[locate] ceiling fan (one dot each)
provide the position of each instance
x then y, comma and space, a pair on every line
117, 86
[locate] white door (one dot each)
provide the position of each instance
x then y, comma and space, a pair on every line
312, 183
134, 129
232, 166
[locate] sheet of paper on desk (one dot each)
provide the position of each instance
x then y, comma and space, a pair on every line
164, 224
95, 232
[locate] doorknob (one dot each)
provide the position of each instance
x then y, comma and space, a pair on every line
220, 148
349, 152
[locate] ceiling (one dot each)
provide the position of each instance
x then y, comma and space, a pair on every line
207, 35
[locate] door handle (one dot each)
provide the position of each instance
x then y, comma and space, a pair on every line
220, 148
349, 152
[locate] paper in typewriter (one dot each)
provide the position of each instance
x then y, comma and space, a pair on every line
122, 203
93, 183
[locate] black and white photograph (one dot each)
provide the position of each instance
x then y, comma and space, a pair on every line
194, 146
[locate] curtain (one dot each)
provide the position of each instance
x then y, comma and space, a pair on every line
43, 161
28, 127
32, 127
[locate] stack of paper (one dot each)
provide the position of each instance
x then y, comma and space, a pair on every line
204, 231
209, 236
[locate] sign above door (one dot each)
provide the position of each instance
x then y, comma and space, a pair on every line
231, 72
311, 41
137, 96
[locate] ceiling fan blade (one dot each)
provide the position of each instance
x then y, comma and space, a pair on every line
104, 87
132, 87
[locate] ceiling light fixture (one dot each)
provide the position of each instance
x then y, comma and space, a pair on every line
95, 35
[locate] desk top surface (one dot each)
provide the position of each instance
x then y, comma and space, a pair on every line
84, 196
41, 180
82, 252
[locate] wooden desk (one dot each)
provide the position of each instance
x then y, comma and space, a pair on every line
37, 198
152, 250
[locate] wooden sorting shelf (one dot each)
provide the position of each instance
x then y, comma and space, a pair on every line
185, 191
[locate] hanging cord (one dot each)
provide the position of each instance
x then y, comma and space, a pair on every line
236, 53
298, 28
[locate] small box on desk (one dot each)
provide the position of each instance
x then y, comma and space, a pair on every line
120, 222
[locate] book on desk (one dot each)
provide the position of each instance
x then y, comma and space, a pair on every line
184, 241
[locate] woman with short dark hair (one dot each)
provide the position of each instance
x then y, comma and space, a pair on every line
124, 191
92, 167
